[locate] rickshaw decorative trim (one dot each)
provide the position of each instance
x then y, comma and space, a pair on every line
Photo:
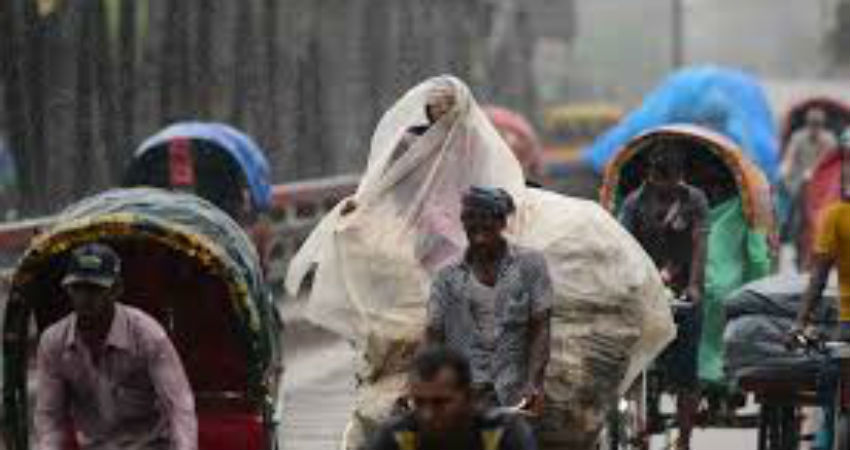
752, 185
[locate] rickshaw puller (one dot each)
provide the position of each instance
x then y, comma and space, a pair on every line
444, 415
831, 249
110, 368
494, 306
670, 220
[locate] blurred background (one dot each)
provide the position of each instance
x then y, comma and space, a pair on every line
84, 81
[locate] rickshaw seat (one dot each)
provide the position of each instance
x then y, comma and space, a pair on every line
229, 420
772, 384
223, 430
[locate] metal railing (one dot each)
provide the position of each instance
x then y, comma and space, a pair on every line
296, 209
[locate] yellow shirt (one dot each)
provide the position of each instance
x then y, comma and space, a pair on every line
833, 239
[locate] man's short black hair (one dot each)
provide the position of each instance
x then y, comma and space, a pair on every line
428, 363
665, 160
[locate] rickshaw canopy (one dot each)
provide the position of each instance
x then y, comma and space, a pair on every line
728, 101
751, 183
242, 148
837, 116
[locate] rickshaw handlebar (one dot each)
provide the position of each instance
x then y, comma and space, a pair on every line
815, 342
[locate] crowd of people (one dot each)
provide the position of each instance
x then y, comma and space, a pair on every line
478, 378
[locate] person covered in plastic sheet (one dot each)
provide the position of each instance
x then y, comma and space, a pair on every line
494, 305
440, 101
443, 414
805, 147
448, 144
109, 369
669, 218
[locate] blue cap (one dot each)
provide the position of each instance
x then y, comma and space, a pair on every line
95, 264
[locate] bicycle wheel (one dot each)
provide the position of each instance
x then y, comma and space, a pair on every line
625, 426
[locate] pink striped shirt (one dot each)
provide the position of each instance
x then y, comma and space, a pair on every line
136, 396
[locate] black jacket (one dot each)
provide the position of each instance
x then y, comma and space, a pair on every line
494, 430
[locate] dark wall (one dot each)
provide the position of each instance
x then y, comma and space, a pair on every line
87, 81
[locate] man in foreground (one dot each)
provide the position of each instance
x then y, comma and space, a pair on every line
109, 369
670, 220
443, 414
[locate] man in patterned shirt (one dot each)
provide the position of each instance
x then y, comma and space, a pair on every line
494, 306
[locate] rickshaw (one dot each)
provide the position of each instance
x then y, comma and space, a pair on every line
567, 130
837, 117
742, 238
824, 185
727, 101
783, 379
216, 162
193, 269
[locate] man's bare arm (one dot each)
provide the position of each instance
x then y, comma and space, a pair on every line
433, 336
696, 284
539, 350
821, 266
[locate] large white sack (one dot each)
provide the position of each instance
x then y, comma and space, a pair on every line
373, 266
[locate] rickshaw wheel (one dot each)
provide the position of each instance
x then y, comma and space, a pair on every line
626, 424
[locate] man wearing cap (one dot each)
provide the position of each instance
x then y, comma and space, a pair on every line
109, 369
494, 306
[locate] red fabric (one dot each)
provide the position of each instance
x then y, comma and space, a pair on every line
222, 430
70, 439
195, 309
180, 165
823, 189
528, 150
218, 429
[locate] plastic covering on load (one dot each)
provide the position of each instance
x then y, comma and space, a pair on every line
737, 254
372, 268
759, 317
727, 101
